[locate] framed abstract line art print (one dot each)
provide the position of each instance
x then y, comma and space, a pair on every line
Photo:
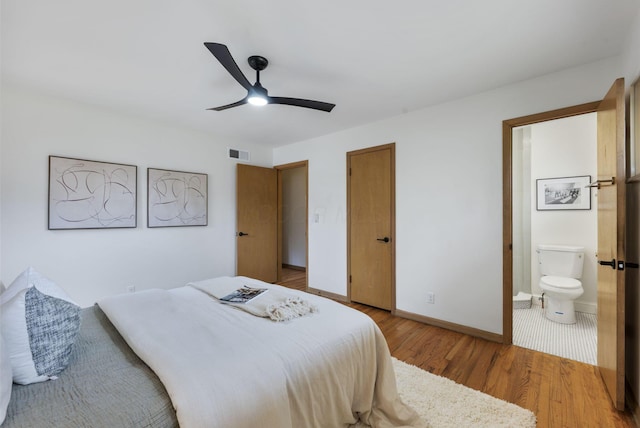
85, 194
565, 193
176, 198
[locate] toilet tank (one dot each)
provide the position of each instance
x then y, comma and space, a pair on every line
561, 260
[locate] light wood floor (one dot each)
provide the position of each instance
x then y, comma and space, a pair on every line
561, 392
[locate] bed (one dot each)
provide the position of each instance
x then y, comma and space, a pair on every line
167, 358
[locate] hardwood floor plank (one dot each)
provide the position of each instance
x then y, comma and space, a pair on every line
561, 392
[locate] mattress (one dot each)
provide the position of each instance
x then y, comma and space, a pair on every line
224, 367
105, 385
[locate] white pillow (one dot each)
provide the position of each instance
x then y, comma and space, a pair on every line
40, 324
6, 380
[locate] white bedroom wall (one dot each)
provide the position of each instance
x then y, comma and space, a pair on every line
448, 194
90, 264
562, 148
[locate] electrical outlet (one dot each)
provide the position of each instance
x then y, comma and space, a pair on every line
431, 298
131, 289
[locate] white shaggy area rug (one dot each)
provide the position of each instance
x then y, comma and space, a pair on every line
443, 403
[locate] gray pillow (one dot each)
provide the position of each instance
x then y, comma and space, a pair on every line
53, 326
40, 324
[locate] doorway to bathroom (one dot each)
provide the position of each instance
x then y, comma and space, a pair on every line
610, 183
558, 156
557, 145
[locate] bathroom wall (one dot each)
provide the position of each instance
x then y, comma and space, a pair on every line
521, 208
563, 148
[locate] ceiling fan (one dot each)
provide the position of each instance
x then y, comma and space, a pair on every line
256, 93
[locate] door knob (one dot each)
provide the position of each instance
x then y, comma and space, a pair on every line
385, 239
612, 263
242, 234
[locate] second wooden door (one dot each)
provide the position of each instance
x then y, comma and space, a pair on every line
371, 242
257, 216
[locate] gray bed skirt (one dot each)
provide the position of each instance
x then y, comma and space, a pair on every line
105, 385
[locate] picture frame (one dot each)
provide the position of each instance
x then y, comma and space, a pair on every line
563, 193
176, 198
88, 194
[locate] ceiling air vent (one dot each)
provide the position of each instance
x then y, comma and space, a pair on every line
242, 155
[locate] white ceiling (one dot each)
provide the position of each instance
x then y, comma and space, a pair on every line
372, 58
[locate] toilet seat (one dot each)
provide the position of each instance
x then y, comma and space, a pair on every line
560, 282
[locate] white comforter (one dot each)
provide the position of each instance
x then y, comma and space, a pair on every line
223, 367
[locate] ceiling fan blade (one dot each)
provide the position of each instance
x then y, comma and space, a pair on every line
222, 54
236, 104
298, 102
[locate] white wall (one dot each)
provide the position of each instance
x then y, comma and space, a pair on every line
562, 148
90, 264
294, 217
448, 194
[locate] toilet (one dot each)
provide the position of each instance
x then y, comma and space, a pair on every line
560, 269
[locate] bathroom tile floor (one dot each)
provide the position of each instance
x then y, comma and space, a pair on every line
574, 341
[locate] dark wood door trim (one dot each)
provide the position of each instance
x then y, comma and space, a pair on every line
507, 200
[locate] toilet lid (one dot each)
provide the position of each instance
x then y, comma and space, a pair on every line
561, 282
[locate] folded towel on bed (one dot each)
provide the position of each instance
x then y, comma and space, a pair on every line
277, 304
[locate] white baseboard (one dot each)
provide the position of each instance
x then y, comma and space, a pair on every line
587, 308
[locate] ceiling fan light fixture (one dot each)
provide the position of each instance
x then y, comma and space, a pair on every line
258, 95
257, 100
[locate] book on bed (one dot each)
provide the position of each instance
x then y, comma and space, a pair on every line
243, 295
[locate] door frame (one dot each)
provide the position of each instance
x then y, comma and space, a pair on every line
507, 200
279, 168
392, 148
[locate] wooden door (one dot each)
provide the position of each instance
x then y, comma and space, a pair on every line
371, 243
257, 216
611, 231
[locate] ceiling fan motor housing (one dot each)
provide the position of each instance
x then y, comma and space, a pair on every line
258, 62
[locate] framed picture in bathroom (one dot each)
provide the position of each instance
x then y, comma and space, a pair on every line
563, 193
